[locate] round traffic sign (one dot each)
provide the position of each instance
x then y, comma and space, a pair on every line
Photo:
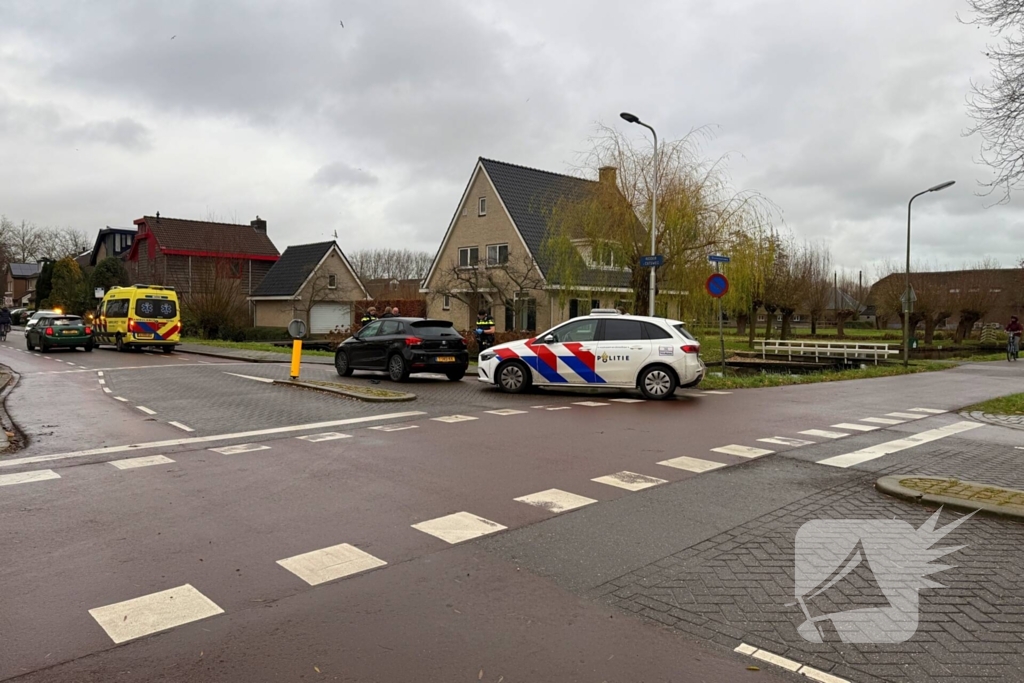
717, 285
297, 329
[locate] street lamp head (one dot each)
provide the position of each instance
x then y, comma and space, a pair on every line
942, 186
631, 118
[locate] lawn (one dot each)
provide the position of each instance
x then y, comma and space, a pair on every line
249, 346
785, 379
1006, 405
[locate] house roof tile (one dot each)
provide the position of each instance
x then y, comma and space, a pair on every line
182, 235
291, 270
26, 270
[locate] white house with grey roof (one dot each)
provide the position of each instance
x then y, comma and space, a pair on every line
501, 224
314, 283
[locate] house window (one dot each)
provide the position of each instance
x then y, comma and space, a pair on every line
446, 303
332, 281
481, 207
761, 318
469, 257
521, 313
578, 307
497, 254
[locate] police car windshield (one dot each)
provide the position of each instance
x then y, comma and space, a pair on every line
685, 332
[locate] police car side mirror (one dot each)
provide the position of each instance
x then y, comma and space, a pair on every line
550, 339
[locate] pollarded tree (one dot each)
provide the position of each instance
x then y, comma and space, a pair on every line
66, 293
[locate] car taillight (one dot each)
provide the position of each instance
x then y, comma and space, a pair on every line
690, 348
88, 330
465, 342
413, 341
49, 331
131, 325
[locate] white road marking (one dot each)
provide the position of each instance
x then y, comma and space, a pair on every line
458, 527
102, 381
631, 481
589, 404
146, 410
258, 379
145, 461
454, 418
506, 412
777, 660
930, 411
745, 649
877, 451
786, 441
882, 420
180, 426
742, 451
106, 390
27, 477
906, 416
47, 358
139, 617
692, 464
14, 462
328, 564
820, 676
240, 448
394, 428
627, 400
855, 427
556, 500
717, 393
122, 400
823, 434
326, 436
559, 408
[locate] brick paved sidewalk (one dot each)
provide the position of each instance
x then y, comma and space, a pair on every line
740, 585
1011, 421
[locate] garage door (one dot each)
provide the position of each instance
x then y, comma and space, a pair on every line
325, 317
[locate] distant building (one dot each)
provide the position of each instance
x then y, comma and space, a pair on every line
194, 256
20, 283
382, 289
111, 242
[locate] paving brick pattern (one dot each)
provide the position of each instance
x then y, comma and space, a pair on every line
736, 586
1011, 421
954, 488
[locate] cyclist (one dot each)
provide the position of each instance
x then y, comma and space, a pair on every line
5, 323
1015, 329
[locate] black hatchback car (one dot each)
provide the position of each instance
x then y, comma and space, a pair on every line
401, 346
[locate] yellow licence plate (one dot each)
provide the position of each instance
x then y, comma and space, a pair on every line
445, 359
143, 336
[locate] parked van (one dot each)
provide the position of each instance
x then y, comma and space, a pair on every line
139, 316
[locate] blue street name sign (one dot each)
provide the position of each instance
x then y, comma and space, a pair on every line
718, 258
655, 261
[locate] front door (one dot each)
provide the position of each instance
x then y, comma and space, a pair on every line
389, 331
359, 349
568, 356
622, 351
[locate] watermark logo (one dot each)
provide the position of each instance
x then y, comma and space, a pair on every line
862, 577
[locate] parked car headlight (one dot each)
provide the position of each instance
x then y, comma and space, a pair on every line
486, 356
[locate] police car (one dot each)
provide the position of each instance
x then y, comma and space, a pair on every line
603, 349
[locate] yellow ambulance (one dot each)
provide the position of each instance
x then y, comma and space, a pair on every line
139, 316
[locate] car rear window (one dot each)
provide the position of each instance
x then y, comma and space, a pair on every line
685, 332
65, 321
656, 332
436, 328
162, 309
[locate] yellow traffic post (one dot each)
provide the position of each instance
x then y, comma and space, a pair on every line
296, 358
297, 329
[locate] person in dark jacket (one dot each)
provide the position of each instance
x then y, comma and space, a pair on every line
368, 317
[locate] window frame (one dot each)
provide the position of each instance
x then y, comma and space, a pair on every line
481, 206
496, 262
332, 281
369, 330
598, 332
446, 302
470, 262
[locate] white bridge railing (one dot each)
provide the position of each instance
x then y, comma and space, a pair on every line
828, 350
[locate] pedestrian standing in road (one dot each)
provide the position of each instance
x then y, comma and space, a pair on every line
369, 316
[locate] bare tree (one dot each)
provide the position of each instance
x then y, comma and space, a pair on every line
25, 243
506, 284
998, 108
970, 297
58, 243
816, 263
396, 264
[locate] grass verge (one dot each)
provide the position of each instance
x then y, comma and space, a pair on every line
1006, 405
249, 346
780, 380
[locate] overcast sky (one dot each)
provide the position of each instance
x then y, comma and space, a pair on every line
838, 112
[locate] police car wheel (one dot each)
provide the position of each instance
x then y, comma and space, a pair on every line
513, 378
657, 383
342, 365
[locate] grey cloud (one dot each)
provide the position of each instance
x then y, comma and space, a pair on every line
337, 173
123, 132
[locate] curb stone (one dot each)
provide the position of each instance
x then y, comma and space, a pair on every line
1009, 421
891, 486
18, 441
399, 397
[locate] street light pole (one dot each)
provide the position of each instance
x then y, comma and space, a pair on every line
626, 116
907, 303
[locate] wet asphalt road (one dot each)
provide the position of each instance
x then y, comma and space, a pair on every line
220, 522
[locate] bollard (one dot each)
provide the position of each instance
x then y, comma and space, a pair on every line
296, 358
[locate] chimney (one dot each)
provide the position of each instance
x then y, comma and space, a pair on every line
259, 224
606, 174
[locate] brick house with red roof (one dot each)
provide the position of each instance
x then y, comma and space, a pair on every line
193, 255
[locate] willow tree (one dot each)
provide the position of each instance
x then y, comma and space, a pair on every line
596, 238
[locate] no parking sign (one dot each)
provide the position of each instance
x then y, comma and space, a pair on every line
717, 285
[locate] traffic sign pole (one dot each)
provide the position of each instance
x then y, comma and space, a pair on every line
721, 330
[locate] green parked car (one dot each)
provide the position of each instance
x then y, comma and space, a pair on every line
67, 331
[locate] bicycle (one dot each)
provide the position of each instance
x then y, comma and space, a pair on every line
4, 329
1012, 345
